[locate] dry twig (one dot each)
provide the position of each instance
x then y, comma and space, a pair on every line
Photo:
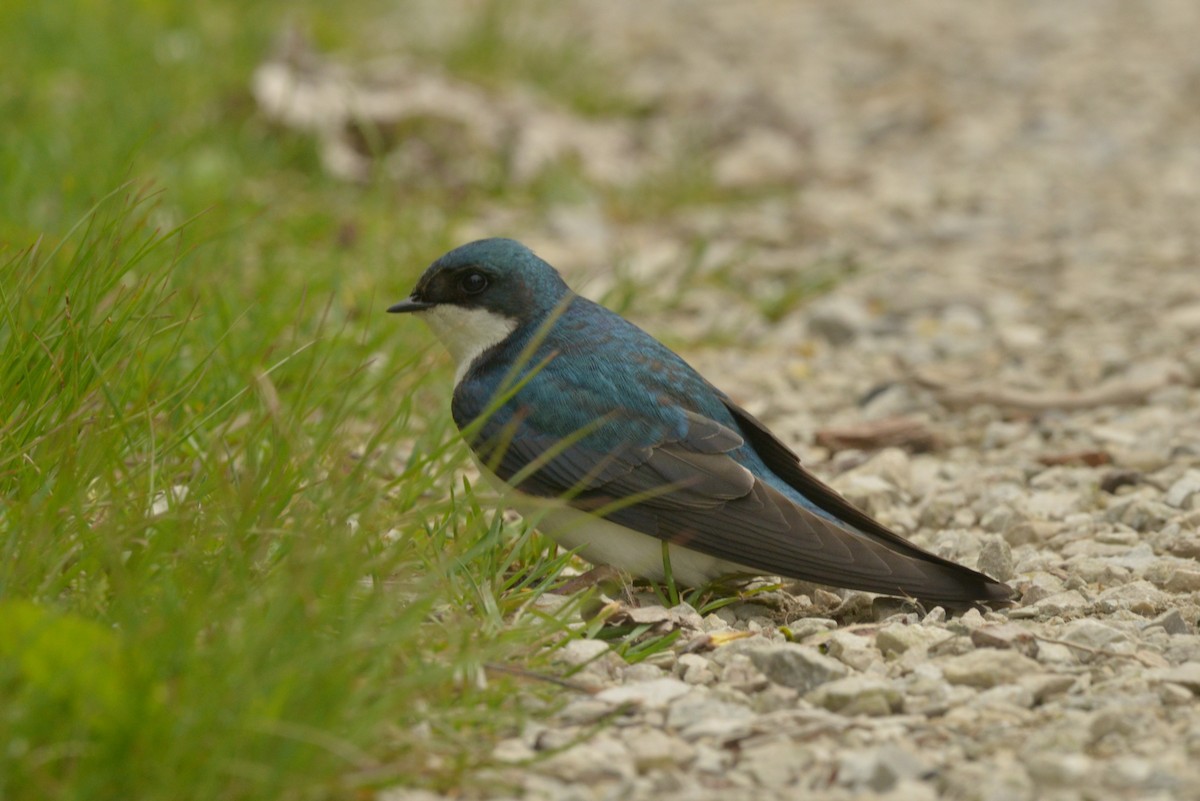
899, 432
1121, 391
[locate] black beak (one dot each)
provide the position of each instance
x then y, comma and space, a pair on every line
410, 305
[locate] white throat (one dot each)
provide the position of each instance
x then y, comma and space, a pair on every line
467, 333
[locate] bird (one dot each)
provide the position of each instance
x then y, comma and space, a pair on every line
609, 442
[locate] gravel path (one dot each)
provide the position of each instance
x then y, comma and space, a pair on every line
1018, 187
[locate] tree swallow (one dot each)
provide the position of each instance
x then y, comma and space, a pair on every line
613, 445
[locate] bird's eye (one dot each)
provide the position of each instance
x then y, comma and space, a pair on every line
473, 283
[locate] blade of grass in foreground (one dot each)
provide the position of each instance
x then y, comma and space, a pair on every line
215, 593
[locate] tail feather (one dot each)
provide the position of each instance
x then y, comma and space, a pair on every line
913, 570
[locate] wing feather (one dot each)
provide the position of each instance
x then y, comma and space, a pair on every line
690, 490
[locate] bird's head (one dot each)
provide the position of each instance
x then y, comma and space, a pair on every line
476, 295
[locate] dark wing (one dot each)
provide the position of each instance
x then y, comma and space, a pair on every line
690, 490
784, 463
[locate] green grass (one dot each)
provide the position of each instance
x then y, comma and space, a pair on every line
229, 564
234, 562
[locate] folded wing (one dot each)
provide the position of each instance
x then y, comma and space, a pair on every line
690, 490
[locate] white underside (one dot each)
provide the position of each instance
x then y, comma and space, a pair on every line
603, 542
467, 333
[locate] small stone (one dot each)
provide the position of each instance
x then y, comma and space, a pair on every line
893, 465
1022, 336
1171, 622
890, 401
1063, 604
826, 600
896, 639
957, 645
1023, 532
773, 698
1185, 675
654, 749
996, 559
1093, 634
1119, 720
998, 778
879, 769
1140, 597
1175, 694
1081, 524
1187, 544
873, 494
712, 760
702, 715
1054, 653
580, 652
584, 711
1046, 685
807, 627
926, 692
654, 694
1002, 433
935, 616
1054, 504
1099, 571
914, 790
963, 320
851, 649
1010, 695
837, 319
694, 669
651, 613
685, 615
1121, 536
1185, 492
999, 518
597, 662
1039, 586
771, 763
1139, 513
746, 613
1183, 318
1061, 770
1005, 635
938, 510
800, 667
987, 667
858, 695
762, 156
642, 671
605, 758
1183, 580
741, 674
968, 620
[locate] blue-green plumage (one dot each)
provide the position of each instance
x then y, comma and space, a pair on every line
584, 357
573, 401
